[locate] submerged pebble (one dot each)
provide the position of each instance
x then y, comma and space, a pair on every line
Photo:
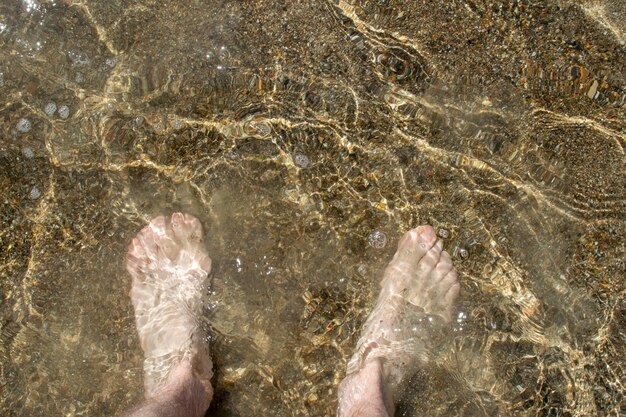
444, 233
592, 93
262, 129
78, 58
377, 239
28, 152
301, 160
50, 108
111, 62
463, 253
35, 193
23, 125
64, 112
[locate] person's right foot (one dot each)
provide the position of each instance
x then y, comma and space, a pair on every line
419, 284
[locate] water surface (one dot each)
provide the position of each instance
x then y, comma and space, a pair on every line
307, 136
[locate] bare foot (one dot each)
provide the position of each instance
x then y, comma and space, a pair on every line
169, 267
419, 288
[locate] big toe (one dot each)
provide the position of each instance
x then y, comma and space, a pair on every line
144, 248
415, 244
426, 233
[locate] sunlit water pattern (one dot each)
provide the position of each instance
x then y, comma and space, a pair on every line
307, 136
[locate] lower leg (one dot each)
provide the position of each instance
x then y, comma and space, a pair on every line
184, 395
362, 393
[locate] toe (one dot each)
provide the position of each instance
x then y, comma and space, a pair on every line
446, 283
205, 262
144, 248
412, 247
168, 248
158, 225
430, 259
445, 258
146, 239
136, 260
452, 293
426, 234
444, 266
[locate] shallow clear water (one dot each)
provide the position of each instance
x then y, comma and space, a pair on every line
307, 136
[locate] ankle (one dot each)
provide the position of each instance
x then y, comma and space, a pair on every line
363, 393
185, 388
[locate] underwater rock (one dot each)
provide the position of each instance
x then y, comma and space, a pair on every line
377, 239
23, 125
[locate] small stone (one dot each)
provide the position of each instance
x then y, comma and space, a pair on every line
377, 239
23, 125
50, 108
301, 160
463, 253
28, 152
444, 233
64, 112
78, 58
111, 62
362, 270
592, 90
35, 193
262, 129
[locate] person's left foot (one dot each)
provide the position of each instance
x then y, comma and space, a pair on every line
170, 267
